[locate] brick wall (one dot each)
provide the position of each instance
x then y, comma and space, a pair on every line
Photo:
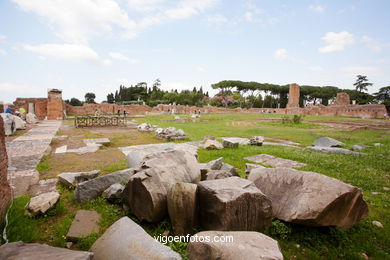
40, 106
55, 105
5, 189
106, 109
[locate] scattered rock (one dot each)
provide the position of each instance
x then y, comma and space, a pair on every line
358, 147
386, 188
31, 118
126, 240
229, 168
310, 198
267, 159
334, 150
146, 127
74, 178
229, 144
251, 166
69, 245
208, 137
182, 208
211, 145
146, 191
84, 224
204, 169
43, 186
42, 203
239, 140
20, 124
218, 174
244, 245
20, 250
89, 148
113, 192
171, 133
94, 188
327, 142
9, 124
375, 193
377, 144
256, 140
215, 164
377, 224
233, 204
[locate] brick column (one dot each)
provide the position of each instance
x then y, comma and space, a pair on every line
5, 189
293, 96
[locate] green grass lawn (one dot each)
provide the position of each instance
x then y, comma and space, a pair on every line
371, 173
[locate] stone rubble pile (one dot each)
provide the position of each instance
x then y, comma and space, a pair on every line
330, 145
170, 133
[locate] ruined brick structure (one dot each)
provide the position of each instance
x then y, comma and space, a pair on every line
5, 189
293, 96
342, 99
53, 107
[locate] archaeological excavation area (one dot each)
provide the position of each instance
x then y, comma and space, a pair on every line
216, 185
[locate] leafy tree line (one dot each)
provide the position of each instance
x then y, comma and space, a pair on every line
154, 95
235, 93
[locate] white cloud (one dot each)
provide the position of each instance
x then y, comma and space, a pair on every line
120, 56
375, 45
2, 37
201, 69
144, 5
218, 19
68, 52
18, 89
317, 8
282, 54
188, 8
337, 41
316, 68
78, 20
2, 52
360, 70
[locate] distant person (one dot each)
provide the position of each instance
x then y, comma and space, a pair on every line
119, 112
8, 110
124, 112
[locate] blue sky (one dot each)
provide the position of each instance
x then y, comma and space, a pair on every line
96, 45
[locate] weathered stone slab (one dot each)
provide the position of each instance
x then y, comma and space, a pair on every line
244, 245
31, 118
218, 174
182, 208
267, 159
215, 164
327, 142
61, 149
89, 148
94, 188
74, 178
22, 251
42, 203
43, 186
84, 224
310, 198
251, 166
239, 140
97, 141
233, 204
126, 240
334, 150
229, 143
229, 168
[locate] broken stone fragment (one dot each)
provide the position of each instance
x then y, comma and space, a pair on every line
74, 178
42, 203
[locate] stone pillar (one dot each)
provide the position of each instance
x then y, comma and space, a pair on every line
31, 108
293, 96
55, 105
5, 189
342, 99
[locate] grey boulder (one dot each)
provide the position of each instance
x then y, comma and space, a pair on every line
42, 203
182, 208
23, 251
232, 245
94, 188
310, 198
126, 240
334, 150
9, 124
211, 145
218, 174
215, 164
113, 192
146, 192
327, 142
256, 140
74, 178
233, 204
31, 118
229, 143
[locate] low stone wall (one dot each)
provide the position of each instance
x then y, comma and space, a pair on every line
90, 109
5, 189
363, 111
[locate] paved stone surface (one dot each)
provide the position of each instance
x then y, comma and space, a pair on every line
85, 223
62, 149
25, 152
97, 141
267, 159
